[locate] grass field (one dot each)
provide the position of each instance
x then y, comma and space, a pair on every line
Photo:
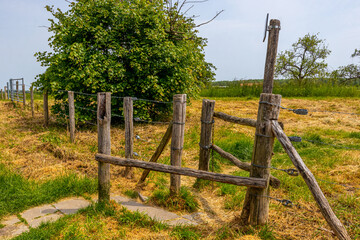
36, 161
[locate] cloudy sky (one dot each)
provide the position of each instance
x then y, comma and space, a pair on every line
235, 44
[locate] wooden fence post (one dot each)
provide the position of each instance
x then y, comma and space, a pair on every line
129, 133
17, 91
104, 143
2, 94
24, 95
274, 28
207, 113
256, 204
6, 93
32, 100
46, 109
71, 115
177, 140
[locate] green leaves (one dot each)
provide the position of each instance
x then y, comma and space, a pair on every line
305, 61
136, 48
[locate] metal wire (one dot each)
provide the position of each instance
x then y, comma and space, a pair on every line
148, 100
340, 184
290, 171
299, 139
284, 202
88, 109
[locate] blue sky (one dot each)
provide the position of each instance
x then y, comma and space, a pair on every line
235, 44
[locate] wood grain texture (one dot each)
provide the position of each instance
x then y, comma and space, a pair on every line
274, 182
104, 143
262, 153
129, 134
310, 180
164, 142
71, 116
207, 113
218, 177
270, 61
233, 119
177, 140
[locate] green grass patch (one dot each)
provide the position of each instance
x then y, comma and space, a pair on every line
131, 194
185, 233
18, 193
185, 200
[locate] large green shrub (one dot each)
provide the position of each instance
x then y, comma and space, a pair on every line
139, 48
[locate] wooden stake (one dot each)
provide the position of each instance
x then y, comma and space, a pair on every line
273, 40
177, 140
310, 180
129, 134
71, 115
46, 109
274, 182
6, 93
32, 100
24, 95
257, 206
164, 141
104, 143
218, 177
2, 94
207, 113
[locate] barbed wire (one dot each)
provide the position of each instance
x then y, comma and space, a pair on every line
291, 171
88, 109
300, 139
301, 111
148, 100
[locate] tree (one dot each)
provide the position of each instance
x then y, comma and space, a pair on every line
139, 48
305, 61
349, 74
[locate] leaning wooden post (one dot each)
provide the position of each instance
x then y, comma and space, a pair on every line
274, 28
256, 205
310, 180
207, 113
129, 133
24, 95
177, 140
71, 115
32, 100
46, 109
104, 143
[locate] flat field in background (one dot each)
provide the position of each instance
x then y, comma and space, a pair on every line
37, 156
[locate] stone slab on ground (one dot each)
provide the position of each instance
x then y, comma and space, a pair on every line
153, 212
14, 230
34, 223
37, 212
71, 206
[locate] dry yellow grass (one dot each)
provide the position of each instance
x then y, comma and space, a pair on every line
22, 146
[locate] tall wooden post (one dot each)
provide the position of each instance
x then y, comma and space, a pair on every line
24, 95
32, 100
2, 94
256, 203
207, 113
46, 109
71, 115
6, 93
17, 91
129, 133
177, 140
104, 143
272, 45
